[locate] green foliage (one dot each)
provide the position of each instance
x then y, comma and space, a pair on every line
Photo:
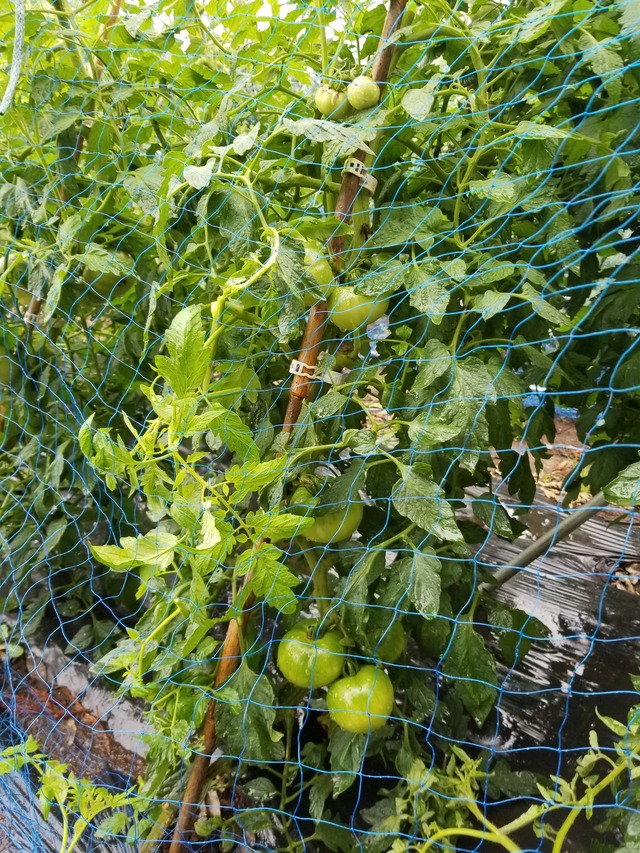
159, 202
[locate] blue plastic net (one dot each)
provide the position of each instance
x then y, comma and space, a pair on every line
319, 468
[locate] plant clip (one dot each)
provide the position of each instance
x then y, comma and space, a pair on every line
356, 167
30, 319
299, 368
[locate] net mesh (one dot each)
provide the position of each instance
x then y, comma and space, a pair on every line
319, 405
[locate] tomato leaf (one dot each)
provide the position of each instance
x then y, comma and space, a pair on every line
471, 666
187, 364
435, 360
271, 580
348, 138
625, 489
246, 725
156, 549
347, 753
417, 578
421, 501
488, 509
405, 225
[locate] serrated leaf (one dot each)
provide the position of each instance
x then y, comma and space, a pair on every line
199, 177
383, 280
535, 130
349, 138
418, 102
340, 490
254, 478
625, 489
630, 18
246, 725
490, 302
155, 549
418, 576
209, 533
347, 753
421, 501
230, 428
472, 669
435, 360
501, 187
488, 509
272, 581
407, 224
187, 364
277, 524
543, 307
428, 286
605, 62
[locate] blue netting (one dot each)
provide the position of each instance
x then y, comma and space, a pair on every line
319, 443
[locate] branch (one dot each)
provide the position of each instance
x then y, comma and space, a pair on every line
192, 797
300, 385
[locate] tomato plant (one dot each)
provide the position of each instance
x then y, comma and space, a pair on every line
362, 702
309, 661
150, 453
392, 644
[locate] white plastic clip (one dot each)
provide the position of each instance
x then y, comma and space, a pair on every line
353, 166
30, 319
299, 368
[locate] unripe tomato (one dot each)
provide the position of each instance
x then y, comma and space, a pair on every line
350, 311
326, 100
392, 644
6, 366
330, 103
363, 93
308, 662
362, 702
10, 368
334, 526
103, 283
319, 268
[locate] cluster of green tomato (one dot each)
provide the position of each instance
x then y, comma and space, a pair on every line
347, 309
357, 703
362, 94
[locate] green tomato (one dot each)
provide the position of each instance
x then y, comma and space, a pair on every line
363, 93
334, 526
362, 702
331, 103
308, 662
326, 99
319, 268
392, 644
350, 311
104, 282
10, 370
